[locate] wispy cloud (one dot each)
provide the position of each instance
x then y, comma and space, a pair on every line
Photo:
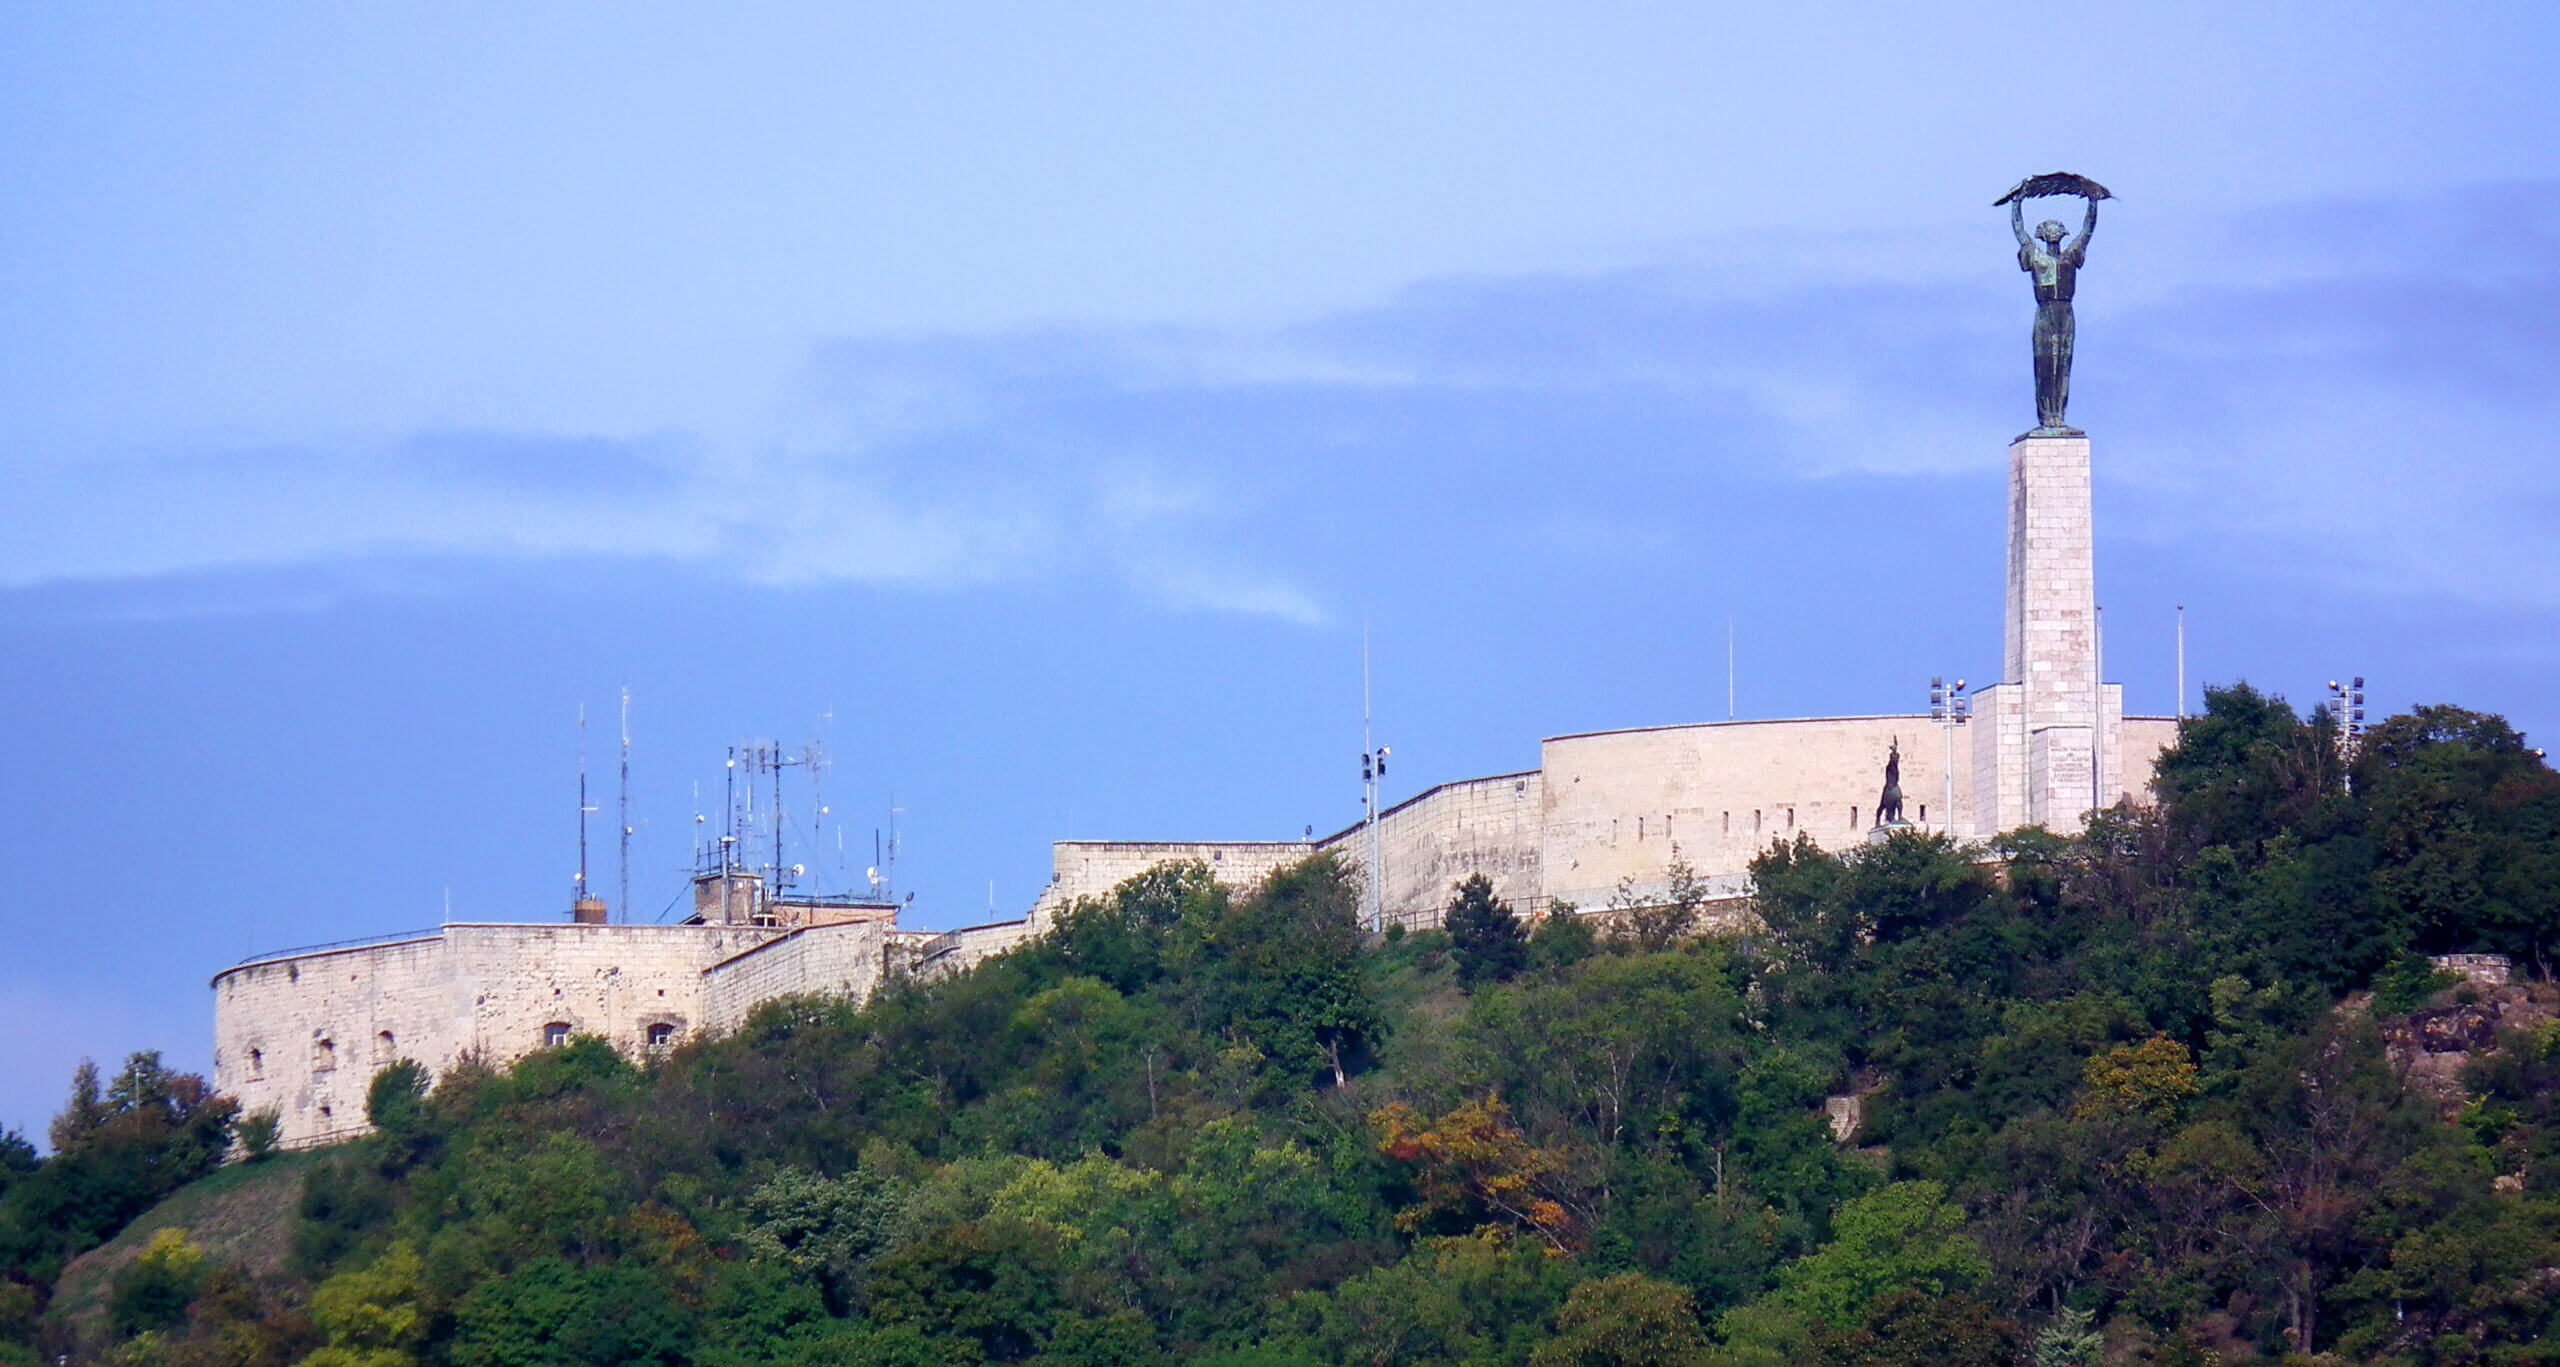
2373, 385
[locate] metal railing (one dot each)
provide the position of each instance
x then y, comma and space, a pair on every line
332, 946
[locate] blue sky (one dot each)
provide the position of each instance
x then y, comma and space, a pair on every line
1035, 404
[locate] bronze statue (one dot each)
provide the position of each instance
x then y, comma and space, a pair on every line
2056, 269
1889, 807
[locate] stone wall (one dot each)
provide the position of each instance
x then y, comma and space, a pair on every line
304, 1034
1433, 841
1091, 868
843, 960
1619, 804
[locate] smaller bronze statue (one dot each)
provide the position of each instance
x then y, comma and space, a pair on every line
1889, 807
2056, 269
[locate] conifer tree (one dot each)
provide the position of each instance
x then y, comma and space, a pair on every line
1488, 940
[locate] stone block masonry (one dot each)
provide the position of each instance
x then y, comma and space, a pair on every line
303, 1034
2056, 728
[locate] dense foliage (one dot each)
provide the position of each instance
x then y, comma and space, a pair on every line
2127, 1097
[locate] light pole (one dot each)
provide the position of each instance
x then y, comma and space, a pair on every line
1949, 708
2347, 706
1373, 771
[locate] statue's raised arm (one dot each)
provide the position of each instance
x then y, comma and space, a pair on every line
2078, 251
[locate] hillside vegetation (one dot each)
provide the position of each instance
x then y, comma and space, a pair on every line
2177, 1091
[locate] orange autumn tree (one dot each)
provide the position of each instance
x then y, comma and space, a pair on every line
1473, 1166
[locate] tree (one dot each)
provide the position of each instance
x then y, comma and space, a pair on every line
828, 1227
83, 1115
1289, 966
1907, 1236
117, 1151
257, 1135
1484, 934
1472, 1166
2070, 1342
1629, 1320
2152, 1079
1562, 939
550, 1314
1659, 924
396, 1100
2464, 822
2243, 770
1912, 1328
371, 1314
154, 1290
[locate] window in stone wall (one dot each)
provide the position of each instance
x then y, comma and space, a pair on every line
324, 1054
1791, 818
1853, 818
1924, 813
1755, 821
1728, 823
661, 1035
385, 1048
555, 1034
257, 1063
1639, 830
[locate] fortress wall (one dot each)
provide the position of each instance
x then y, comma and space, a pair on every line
2141, 739
1091, 868
613, 981
842, 960
1432, 842
323, 1024
1617, 803
302, 1036
930, 954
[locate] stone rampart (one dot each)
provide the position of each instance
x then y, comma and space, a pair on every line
1092, 868
304, 1034
1620, 804
1434, 840
847, 959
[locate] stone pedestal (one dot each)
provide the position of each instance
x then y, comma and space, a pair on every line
2050, 726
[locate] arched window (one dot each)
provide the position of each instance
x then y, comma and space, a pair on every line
324, 1054
661, 1035
555, 1034
257, 1063
385, 1048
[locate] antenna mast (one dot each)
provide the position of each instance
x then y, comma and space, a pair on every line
578, 900
622, 902
1373, 769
